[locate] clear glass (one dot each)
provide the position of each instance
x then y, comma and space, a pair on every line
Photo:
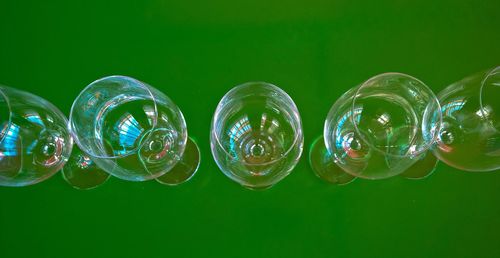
470, 135
378, 129
321, 161
183, 171
423, 168
34, 140
128, 128
256, 135
82, 173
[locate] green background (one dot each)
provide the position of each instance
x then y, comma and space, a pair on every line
195, 52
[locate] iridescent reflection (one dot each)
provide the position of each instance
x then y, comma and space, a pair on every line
34, 142
129, 131
469, 138
8, 146
255, 145
34, 117
123, 129
453, 106
447, 134
236, 132
256, 135
83, 161
345, 139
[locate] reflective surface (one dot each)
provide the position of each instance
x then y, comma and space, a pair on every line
256, 134
380, 128
185, 169
315, 51
470, 136
34, 141
424, 167
129, 128
82, 173
324, 166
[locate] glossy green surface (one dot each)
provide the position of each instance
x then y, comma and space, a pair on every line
195, 52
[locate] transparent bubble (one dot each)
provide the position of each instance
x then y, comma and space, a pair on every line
34, 141
256, 135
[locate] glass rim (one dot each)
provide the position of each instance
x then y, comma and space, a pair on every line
489, 73
434, 98
298, 133
130, 152
9, 107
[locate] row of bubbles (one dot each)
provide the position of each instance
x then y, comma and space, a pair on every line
391, 124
